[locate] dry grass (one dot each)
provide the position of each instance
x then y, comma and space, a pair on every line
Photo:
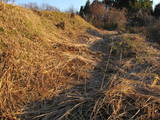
49, 73
37, 60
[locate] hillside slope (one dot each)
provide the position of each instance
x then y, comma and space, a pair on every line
39, 59
35, 55
57, 66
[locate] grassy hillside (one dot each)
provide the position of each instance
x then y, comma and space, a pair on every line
49, 72
35, 55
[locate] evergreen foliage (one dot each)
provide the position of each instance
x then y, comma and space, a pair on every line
157, 11
138, 12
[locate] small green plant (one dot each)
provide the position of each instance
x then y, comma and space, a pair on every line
156, 80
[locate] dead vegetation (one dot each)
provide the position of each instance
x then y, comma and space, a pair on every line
61, 25
153, 32
48, 73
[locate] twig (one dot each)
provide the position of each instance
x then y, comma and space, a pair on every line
106, 67
135, 114
69, 111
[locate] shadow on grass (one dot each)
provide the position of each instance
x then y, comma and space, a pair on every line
77, 102
85, 101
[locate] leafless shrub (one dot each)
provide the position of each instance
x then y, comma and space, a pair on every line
35, 6
153, 32
49, 7
71, 10
32, 6
98, 11
73, 15
115, 19
61, 25
6, 1
141, 18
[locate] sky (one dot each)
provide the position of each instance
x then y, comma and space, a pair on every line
63, 4
156, 2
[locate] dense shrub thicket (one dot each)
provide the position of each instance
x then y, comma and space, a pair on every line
157, 11
131, 12
132, 15
153, 32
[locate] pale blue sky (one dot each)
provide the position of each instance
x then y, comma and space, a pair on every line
156, 2
63, 4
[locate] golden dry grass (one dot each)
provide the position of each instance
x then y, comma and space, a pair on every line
37, 60
79, 73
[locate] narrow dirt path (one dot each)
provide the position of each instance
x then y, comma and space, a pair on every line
82, 101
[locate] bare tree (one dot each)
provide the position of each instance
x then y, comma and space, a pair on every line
35, 6
6, 1
71, 10
32, 6
97, 9
49, 7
